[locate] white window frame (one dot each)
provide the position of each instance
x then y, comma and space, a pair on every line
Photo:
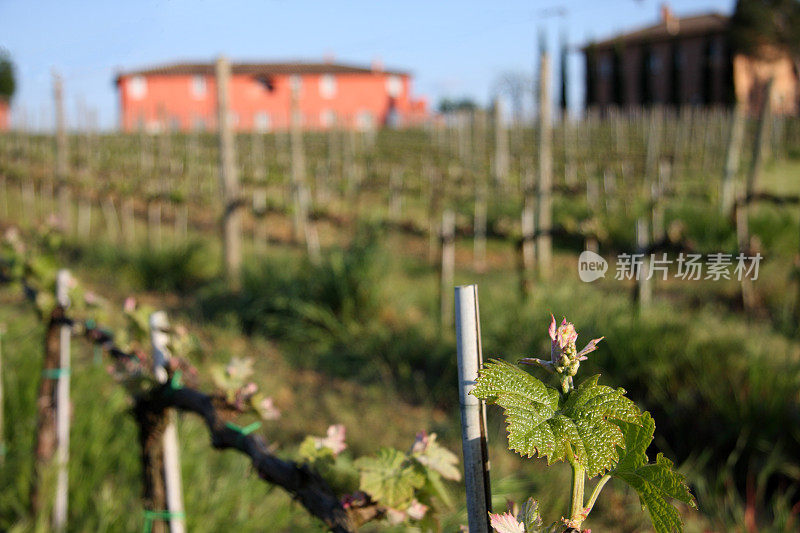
327, 86
296, 83
394, 86
199, 87
137, 87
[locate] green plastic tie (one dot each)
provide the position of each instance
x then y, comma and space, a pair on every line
152, 516
55, 373
175, 382
243, 431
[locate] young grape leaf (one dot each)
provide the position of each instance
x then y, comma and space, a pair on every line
390, 478
530, 516
655, 483
436, 457
542, 421
311, 453
506, 523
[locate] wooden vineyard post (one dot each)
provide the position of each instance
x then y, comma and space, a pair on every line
480, 179
501, 154
528, 226
435, 193
593, 201
743, 240
448, 257
229, 179
657, 191
645, 288
61, 157
570, 143
743, 207
128, 222
301, 197
609, 190
396, 194
84, 224
180, 221
297, 165
4, 194
479, 225
732, 154
28, 194
3, 449
112, 221
63, 281
653, 145
759, 141
260, 213
544, 241
173, 492
154, 223
473, 410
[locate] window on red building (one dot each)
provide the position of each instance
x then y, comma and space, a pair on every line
137, 87
198, 87
266, 82
394, 86
327, 86
296, 83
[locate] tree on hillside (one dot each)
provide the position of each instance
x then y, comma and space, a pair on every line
762, 27
563, 103
448, 105
7, 82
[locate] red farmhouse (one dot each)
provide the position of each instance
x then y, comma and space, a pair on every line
3, 115
183, 97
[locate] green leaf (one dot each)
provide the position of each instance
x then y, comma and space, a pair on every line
436, 457
310, 453
436, 488
390, 478
530, 516
655, 483
558, 427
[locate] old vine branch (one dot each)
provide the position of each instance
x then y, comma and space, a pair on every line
301, 482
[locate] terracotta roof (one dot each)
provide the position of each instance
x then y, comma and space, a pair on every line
686, 27
258, 69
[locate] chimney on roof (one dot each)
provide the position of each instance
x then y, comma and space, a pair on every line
329, 57
669, 19
377, 65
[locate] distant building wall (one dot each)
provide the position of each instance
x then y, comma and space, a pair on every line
4, 115
751, 76
685, 61
679, 72
186, 102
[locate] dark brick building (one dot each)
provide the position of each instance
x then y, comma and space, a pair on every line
684, 61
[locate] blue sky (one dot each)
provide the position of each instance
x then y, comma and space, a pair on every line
453, 48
